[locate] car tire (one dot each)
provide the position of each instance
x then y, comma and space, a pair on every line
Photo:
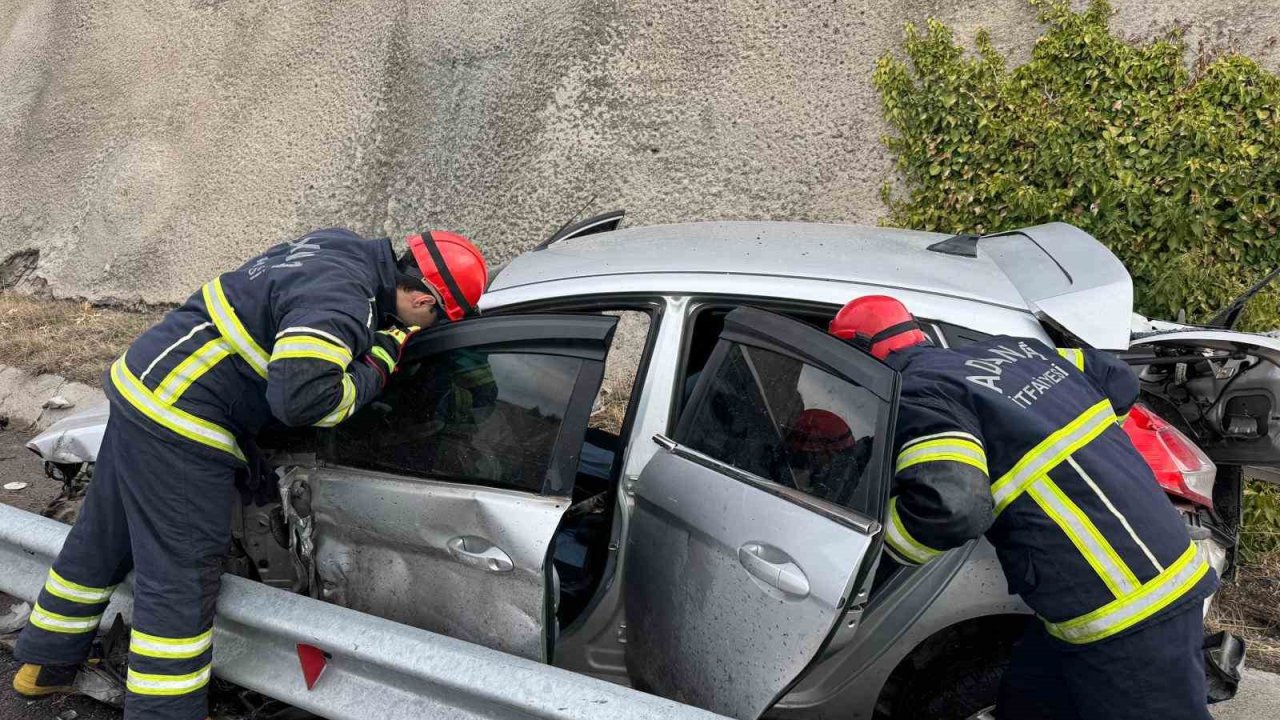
956, 686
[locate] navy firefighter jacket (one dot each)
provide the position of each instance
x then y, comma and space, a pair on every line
1019, 441
281, 336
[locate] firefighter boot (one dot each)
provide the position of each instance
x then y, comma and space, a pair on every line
35, 681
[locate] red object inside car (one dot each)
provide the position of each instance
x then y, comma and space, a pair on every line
1180, 466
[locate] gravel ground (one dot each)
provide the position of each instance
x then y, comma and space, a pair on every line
18, 464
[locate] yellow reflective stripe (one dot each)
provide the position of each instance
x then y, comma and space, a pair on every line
302, 346
901, 541
953, 448
167, 416
1075, 355
64, 624
144, 684
343, 410
384, 356
230, 327
1099, 553
59, 586
1125, 612
190, 369
1051, 452
313, 331
170, 648
957, 434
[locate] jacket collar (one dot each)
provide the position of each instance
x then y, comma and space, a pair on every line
385, 269
900, 359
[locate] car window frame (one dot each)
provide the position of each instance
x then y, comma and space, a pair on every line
652, 305
522, 338
845, 365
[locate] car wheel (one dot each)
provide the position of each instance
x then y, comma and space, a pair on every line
960, 687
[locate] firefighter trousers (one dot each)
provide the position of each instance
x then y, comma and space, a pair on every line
1156, 671
161, 508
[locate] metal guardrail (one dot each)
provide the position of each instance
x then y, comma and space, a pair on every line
378, 669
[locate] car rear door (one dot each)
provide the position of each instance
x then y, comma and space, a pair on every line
436, 504
757, 523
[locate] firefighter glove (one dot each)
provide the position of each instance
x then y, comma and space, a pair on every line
388, 347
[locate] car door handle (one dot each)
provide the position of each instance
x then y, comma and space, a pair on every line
774, 568
479, 553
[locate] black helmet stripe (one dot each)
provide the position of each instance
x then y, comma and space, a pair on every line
430, 243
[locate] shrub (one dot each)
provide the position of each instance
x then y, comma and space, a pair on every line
1176, 169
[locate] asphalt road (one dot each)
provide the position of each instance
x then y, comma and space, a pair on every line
1259, 695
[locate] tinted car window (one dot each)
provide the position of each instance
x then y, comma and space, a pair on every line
781, 419
464, 416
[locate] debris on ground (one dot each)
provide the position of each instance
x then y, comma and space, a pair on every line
15, 617
1249, 606
57, 402
15, 485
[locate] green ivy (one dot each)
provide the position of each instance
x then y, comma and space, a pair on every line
1260, 529
1176, 169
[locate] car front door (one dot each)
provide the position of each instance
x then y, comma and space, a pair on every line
757, 522
436, 504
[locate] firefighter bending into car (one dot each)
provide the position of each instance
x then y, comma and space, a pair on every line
1015, 440
308, 333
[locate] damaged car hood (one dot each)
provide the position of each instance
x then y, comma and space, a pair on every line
73, 439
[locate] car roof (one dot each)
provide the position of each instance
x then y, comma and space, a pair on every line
854, 254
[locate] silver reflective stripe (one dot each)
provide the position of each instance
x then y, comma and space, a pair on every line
954, 449
345, 404
300, 329
61, 587
144, 684
1123, 521
65, 624
1052, 451
230, 327
169, 648
1085, 536
182, 423
169, 349
190, 370
1125, 612
901, 541
939, 436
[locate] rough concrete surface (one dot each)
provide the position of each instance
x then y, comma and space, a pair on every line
23, 398
148, 144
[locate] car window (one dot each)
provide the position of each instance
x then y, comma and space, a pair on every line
489, 418
784, 420
620, 370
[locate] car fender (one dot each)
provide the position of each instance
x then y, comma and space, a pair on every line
846, 682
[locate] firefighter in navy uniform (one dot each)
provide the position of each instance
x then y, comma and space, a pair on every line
1020, 442
307, 332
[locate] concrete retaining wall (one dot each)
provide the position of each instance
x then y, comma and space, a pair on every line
146, 145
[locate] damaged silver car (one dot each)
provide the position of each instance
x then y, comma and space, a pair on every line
600, 472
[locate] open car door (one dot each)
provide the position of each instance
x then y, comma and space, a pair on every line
435, 505
757, 523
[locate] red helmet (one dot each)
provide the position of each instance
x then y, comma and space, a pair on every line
451, 266
877, 323
817, 430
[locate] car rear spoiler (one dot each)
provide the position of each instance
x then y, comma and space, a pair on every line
1069, 279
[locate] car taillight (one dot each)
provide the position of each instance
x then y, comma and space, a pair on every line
1180, 466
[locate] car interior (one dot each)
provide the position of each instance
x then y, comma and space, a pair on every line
510, 407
